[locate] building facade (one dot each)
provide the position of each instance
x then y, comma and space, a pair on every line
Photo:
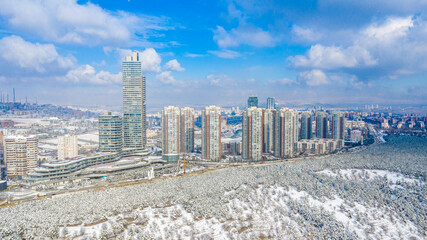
20, 155
252, 101
252, 133
338, 125
306, 125
110, 133
187, 130
268, 138
286, 133
321, 125
134, 106
67, 147
211, 133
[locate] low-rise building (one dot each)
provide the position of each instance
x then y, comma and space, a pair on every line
319, 146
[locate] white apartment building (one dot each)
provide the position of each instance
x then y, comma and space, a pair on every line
20, 155
211, 133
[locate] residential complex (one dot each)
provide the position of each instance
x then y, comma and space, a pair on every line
110, 133
211, 133
20, 155
321, 125
306, 126
134, 106
338, 125
268, 138
286, 133
187, 130
171, 133
252, 138
67, 147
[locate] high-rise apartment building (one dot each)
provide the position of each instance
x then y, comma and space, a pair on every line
110, 133
306, 125
271, 103
187, 130
67, 147
321, 125
171, 140
268, 139
252, 101
286, 133
134, 107
252, 133
211, 133
20, 155
338, 125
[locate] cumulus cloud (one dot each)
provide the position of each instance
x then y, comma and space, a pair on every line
87, 74
243, 35
313, 78
150, 60
394, 47
225, 53
173, 65
166, 78
333, 57
67, 21
32, 57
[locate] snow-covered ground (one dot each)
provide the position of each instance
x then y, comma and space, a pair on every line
393, 178
265, 215
298, 200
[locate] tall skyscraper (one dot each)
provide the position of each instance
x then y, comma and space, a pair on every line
187, 130
211, 133
67, 147
252, 101
268, 139
338, 125
252, 133
306, 125
286, 131
20, 155
110, 133
321, 125
134, 107
171, 141
271, 103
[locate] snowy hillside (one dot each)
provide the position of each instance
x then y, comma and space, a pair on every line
379, 193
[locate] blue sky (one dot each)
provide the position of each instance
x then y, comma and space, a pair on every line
205, 52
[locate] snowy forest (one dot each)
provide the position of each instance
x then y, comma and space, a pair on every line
378, 193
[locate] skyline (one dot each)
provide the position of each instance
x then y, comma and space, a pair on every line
326, 52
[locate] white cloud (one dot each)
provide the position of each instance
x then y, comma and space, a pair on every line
394, 47
225, 53
32, 56
150, 60
333, 57
305, 34
167, 78
194, 55
66, 21
284, 81
219, 80
243, 35
87, 74
251, 80
313, 78
173, 65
